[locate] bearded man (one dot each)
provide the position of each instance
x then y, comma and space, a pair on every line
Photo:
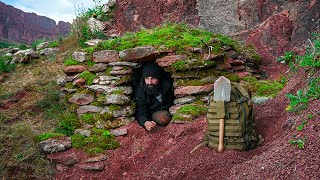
153, 96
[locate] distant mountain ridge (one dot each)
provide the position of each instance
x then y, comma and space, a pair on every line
19, 26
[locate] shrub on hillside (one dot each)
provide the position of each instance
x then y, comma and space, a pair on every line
5, 65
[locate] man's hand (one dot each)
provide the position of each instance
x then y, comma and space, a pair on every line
150, 125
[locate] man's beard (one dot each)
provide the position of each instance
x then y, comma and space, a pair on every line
153, 90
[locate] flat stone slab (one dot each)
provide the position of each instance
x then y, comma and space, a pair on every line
191, 90
81, 99
118, 99
98, 158
88, 109
105, 56
185, 100
96, 166
99, 67
55, 145
65, 159
138, 54
74, 69
119, 132
130, 64
108, 90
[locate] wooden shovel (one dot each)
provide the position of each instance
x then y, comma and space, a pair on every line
222, 91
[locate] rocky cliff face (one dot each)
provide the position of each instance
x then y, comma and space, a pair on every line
132, 15
274, 26
20, 26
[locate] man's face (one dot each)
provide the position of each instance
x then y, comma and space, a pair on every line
151, 81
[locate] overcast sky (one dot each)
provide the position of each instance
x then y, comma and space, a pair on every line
58, 10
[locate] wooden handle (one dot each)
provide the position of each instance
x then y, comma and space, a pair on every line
221, 135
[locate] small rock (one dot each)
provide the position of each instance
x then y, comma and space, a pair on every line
49, 51
83, 132
185, 100
119, 132
79, 82
93, 42
98, 67
260, 100
97, 166
42, 45
98, 158
79, 56
55, 145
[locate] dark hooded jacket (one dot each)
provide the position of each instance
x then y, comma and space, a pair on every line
147, 104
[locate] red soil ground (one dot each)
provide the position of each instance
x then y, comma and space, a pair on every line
165, 152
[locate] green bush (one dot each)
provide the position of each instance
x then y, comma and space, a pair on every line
5, 66
303, 97
35, 43
67, 124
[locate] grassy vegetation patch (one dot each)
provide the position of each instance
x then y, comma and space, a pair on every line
171, 36
98, 142
71, 62
265, 87
5, 65
48, 135
67, 124
88, 76
189, 109
301, 99
93, 118
51, 103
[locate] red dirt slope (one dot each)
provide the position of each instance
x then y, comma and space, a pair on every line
165, 152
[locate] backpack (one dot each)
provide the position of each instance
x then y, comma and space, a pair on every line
239, 125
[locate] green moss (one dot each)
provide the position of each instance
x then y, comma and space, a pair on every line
192, 109
265, 87
48, 135
172, 36
97, 103
230, 76
99, 141
118, 91
73, 108
69, 85
90, 50
88, 76
114, 107
189, 109
196, 73
108, 71
187, 65
83, 90
103, 117
88, 118
70, 62
101, 98
67, 124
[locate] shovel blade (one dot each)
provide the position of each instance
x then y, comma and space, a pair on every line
222, 89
